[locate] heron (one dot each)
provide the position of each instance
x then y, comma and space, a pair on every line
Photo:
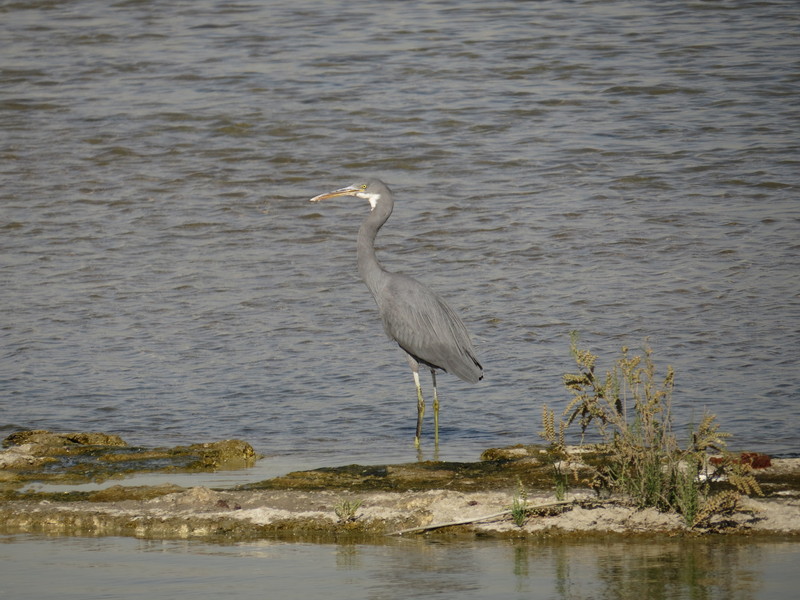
429, 332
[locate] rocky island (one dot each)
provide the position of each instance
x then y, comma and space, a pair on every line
509, 492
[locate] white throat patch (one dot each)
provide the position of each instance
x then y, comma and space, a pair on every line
372, 198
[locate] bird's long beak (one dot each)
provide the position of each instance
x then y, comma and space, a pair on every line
347, 191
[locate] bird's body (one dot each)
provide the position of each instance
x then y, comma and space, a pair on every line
418, 319
427, 329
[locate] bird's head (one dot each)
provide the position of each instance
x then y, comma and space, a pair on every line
372, 190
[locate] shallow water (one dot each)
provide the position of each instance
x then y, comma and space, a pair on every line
89, 568
628, 170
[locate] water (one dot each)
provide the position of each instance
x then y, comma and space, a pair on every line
125, 568
626, 169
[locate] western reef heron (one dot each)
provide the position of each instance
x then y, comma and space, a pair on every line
419, 320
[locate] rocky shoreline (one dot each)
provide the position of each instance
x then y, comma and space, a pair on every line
434, 498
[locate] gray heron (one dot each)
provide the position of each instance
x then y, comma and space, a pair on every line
419, 320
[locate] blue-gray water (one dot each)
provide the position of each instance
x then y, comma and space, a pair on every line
626, 169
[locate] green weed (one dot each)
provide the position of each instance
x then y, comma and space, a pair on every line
519, 505
346, 509
557, 456
630, 407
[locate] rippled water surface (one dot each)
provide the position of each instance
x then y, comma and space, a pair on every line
626, 169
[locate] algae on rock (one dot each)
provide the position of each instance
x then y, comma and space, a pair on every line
75, 458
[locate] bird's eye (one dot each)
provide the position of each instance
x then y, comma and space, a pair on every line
363, 186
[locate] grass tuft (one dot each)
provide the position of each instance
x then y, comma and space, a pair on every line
346, 509
630, 407
519, 505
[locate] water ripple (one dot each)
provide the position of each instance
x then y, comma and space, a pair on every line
558, 166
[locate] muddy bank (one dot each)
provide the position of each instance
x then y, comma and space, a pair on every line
437, 498
240, 515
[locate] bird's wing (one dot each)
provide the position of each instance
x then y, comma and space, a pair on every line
425, 326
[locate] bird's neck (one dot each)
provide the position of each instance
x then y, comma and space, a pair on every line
369, 268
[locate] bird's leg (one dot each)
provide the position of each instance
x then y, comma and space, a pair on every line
412, 362
420, 408
435, 410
